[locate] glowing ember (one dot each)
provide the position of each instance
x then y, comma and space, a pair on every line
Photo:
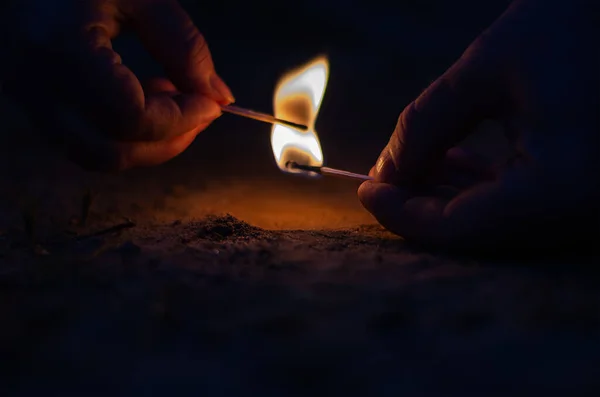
298, 98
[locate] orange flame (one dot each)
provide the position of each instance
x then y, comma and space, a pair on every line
297, 98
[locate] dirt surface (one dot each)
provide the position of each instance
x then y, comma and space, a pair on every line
217, 306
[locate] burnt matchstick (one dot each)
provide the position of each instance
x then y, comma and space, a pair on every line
267, 118
328, 171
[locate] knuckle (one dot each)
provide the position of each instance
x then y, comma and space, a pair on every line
482, 63
96, 35
105, 58
155, 121
402, 130
195, 45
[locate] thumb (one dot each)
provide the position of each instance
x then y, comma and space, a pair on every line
443, 115
171, 37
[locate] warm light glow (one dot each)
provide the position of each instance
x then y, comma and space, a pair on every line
298, 98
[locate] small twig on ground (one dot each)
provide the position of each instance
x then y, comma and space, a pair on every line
113, 229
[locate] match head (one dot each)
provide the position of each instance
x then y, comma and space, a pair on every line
292, 165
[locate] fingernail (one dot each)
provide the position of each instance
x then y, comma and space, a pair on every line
219, 86
384, 169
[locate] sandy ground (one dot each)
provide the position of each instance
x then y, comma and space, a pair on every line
217, 275
299, 294
216, 306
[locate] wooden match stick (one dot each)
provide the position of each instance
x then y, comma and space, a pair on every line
267, 118
329, 171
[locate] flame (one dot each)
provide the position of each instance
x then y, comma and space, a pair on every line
297, 98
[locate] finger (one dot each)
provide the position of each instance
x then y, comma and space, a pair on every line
440, 118
462, 168
513, 210
112, 97
463, 159
159, 85
372, 172
145, 154
388, 203
85, 145
90, 149
172, 38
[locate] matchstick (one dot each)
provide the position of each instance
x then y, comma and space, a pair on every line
267, 118
328, 171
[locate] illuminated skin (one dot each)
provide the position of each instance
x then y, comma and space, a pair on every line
535, 70
80, 95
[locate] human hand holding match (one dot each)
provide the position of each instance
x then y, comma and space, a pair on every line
535, 70
79, 94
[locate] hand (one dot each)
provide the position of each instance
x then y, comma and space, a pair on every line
80, 95
536, 71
